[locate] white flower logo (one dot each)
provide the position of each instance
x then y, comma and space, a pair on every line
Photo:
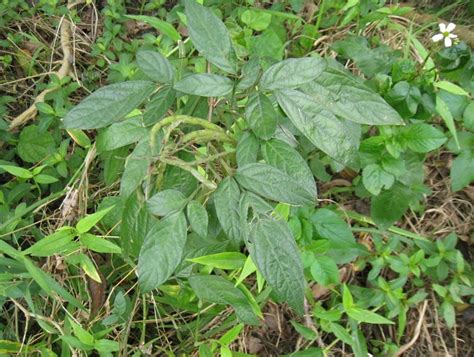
445, 33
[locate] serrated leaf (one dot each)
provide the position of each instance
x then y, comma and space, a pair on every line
225, 260
205, 85
276, 255
108, 104
324, 271
85, 224
34, 144
347, 97
166, 202
162, 26
226, 200
210, 36
162, 251
247, 149
198, 218
261, 116
274, 184
218, 290
390, 205
292, 73
121, 134
422, 137
282, 156
320, 126
375, 178
155, 66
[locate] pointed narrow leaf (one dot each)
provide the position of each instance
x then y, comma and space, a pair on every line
292, 72
225, 260
162, 251
108, 104
52, 244
210, 36
89, 221
274, 184
276, 255
218, 290
162, 26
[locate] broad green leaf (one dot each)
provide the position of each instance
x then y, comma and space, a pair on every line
166, 202
164, 27
106, 346
247, 149
324, 270
45, 179
226, 200
451, 87
136, 168
468, 117
210, 36
89, 268
155, 66
108, 104
53, 244
256, 20
83, 336
375, 178
161, 251
389, 206
85, 224
98, 244
218, 290
422, 137
35, 144
347, 97
292, 73
261, 116
225, 260
114, 162
17, 171
320, 126
462, 170
341, 333
121, 134
443, 110
136, 223
282, 156
198, 218
159, 104
449, 314
79, 137
347, 299
276, 255
205, 85
274, 184
362, 315
304, 331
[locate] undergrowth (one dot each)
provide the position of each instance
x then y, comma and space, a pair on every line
235, 178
